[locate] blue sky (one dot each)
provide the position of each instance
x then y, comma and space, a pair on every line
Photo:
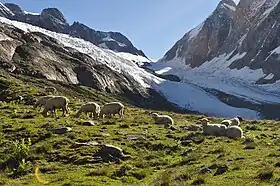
152, 25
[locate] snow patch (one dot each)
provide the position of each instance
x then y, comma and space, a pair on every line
269, 76
164, 70
31, 13
276, 50
194, 32
103, 45
230, 7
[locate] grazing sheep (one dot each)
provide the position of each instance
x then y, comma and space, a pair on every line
234, 132
54, 103
234, 121
112, 109
90, 107
50, 89
213, 129
162, 119
42, 101
226, 122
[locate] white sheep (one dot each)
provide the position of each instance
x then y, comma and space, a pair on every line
234, 121
234, 132
162, 119
213, 129
90, 107
112, 108
42, 101
54, 103
50, 89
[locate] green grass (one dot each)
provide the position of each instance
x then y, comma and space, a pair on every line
159, 159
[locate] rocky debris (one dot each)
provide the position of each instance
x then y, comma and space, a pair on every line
186, 142
62, 130
196, 138
102, 135
221, 170
187, 152
135, 136
87, 159
90, 143
213, 166
111, 153
193, 127
105, 153
88, 123
205, 171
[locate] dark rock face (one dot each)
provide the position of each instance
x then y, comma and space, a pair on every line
251, 27
14, 8
204, 41
4, 11
52, 19
35, 54
111, 40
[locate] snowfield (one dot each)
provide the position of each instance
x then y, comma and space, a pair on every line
186, 95
216, 74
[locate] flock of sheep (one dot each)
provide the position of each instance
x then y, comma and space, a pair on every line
53, 102
230, 128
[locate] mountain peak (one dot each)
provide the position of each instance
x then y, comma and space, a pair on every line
226, 5
54, 20
55, 13
14, 8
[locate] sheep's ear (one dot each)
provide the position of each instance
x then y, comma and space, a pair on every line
240, 118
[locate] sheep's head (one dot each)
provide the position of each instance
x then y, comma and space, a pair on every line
36, 104
240, 118
154, 115
45, 113
204, 121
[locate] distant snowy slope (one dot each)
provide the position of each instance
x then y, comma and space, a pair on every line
183, 94
216, 74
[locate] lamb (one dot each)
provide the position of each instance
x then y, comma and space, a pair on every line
42, 101
162, 119
234, 132
50, 89
213, 129
234, 121
112, 108
54, 103
90, 107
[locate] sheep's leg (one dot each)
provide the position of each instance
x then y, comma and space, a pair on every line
63, 111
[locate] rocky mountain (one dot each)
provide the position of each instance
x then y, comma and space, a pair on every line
234, 53
203, 42
250, 28
52, 19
